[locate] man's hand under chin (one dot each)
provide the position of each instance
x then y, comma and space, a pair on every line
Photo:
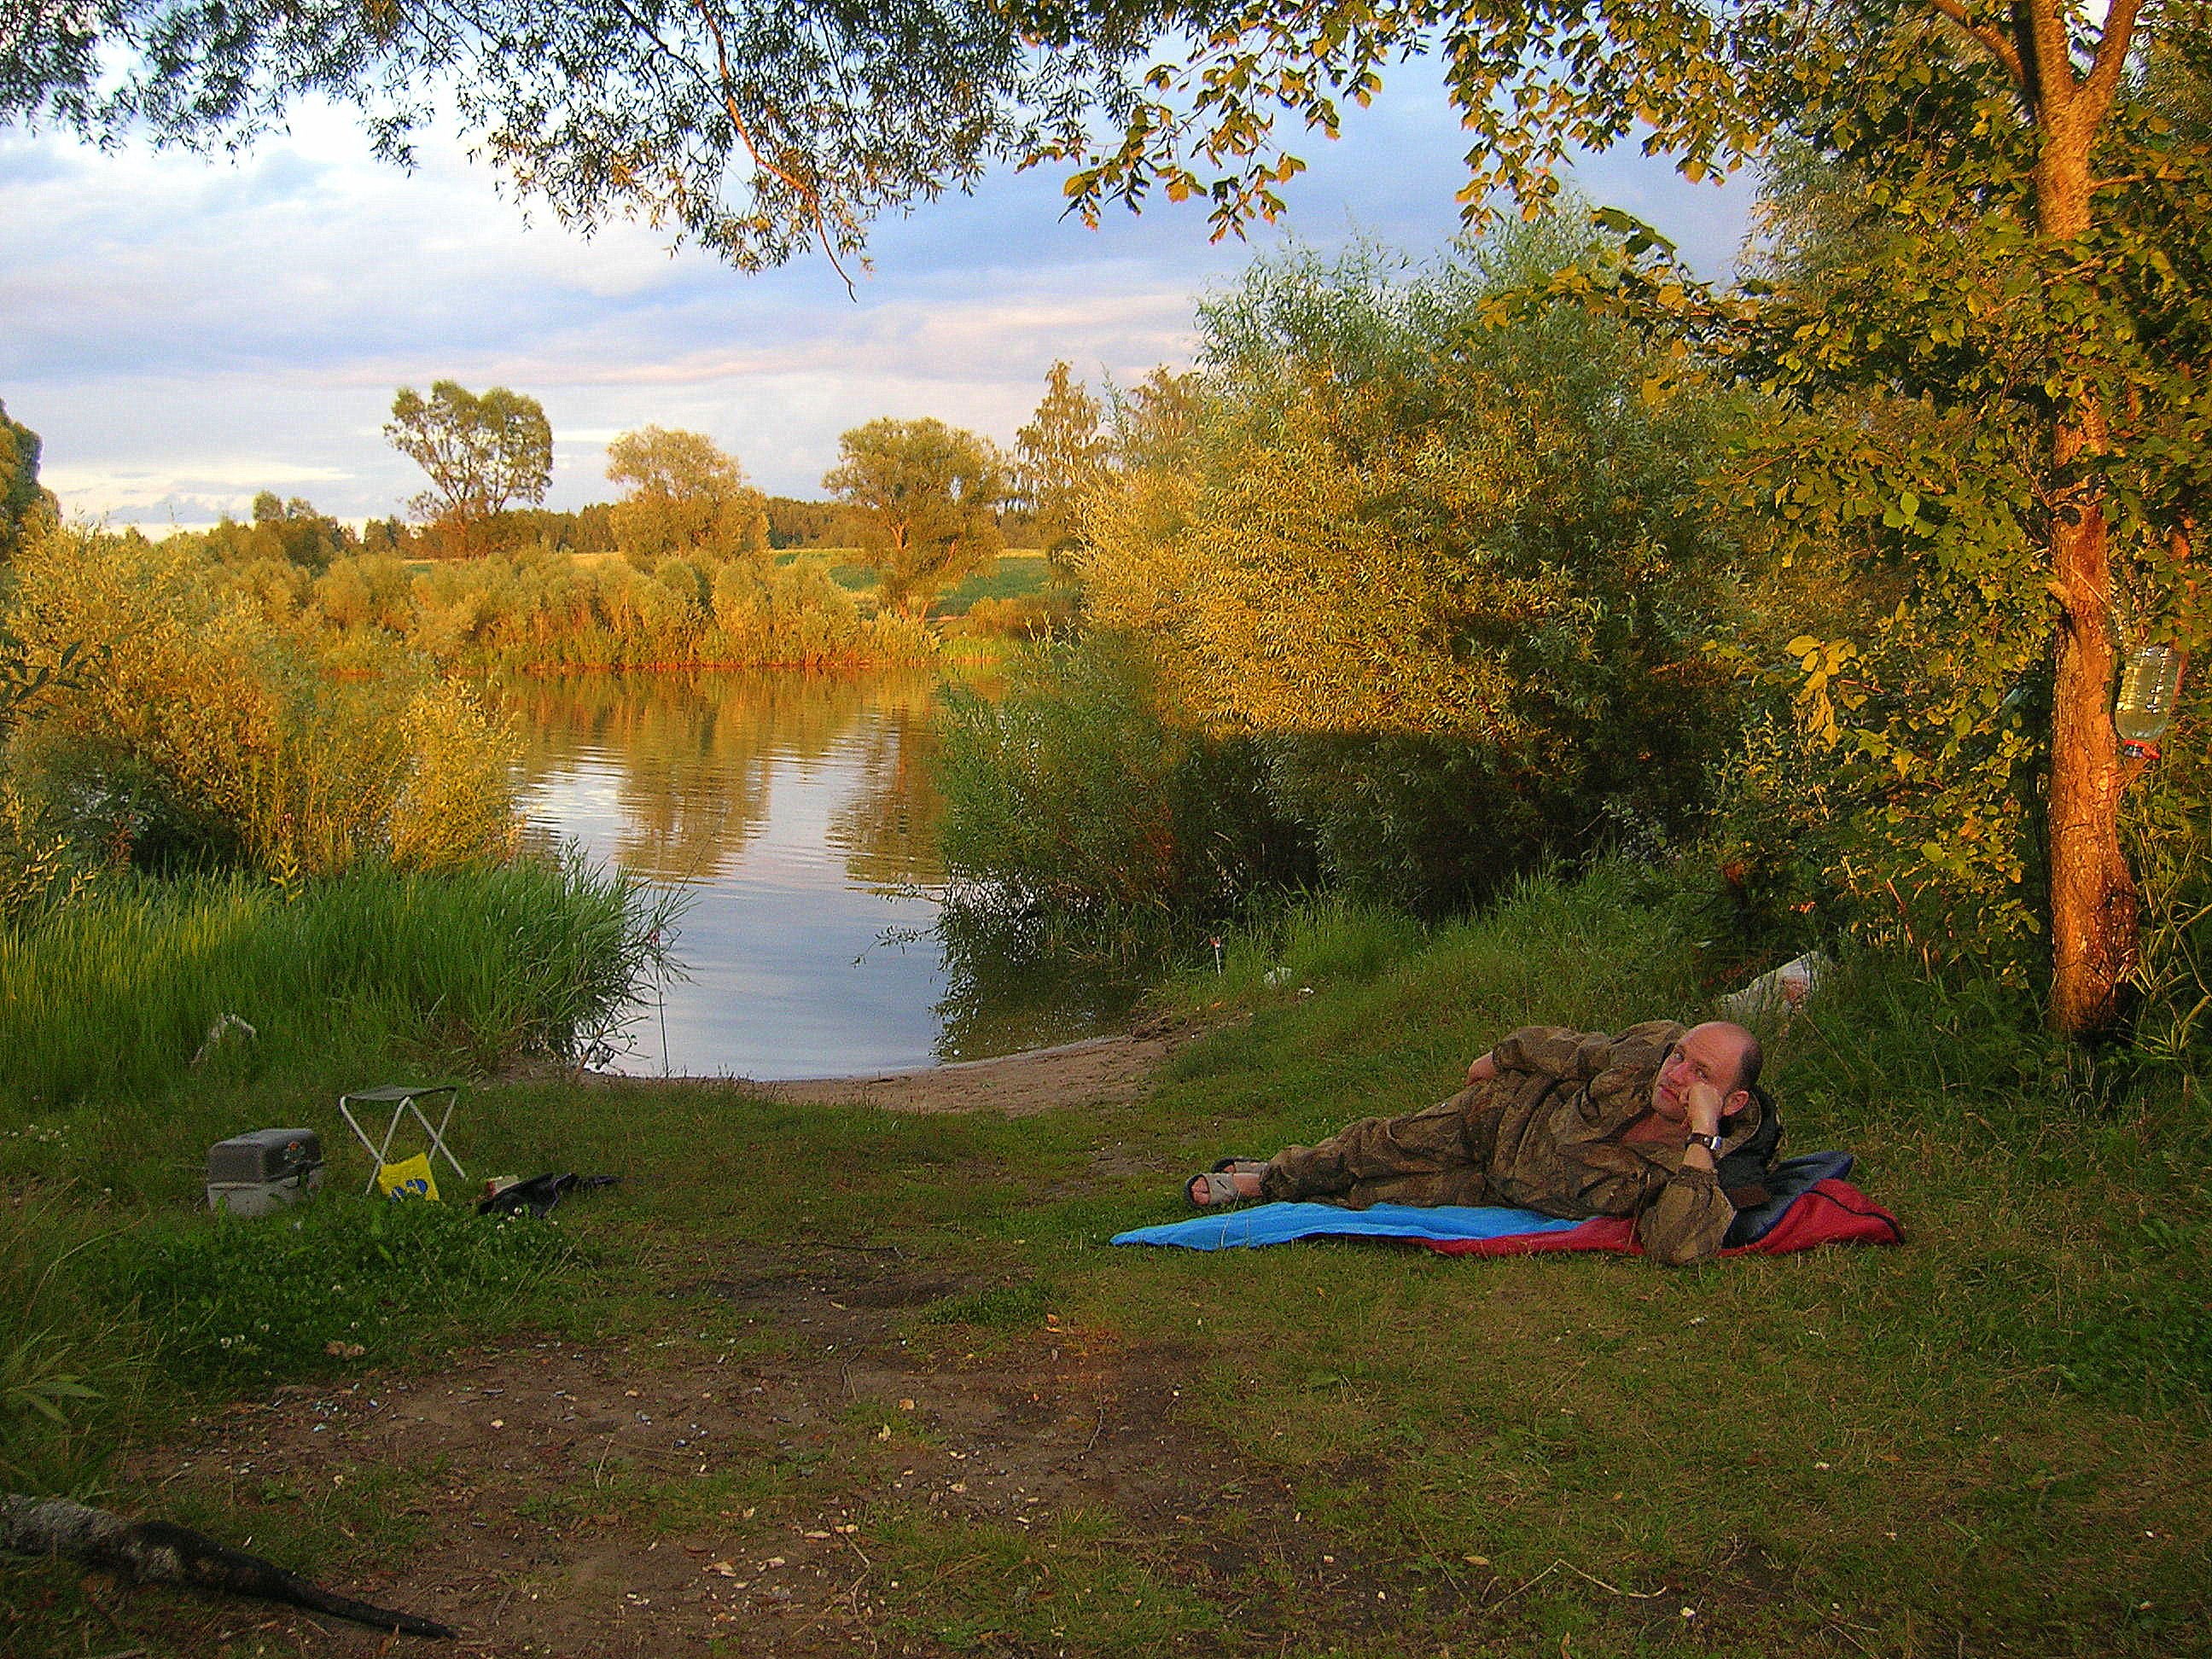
1703, 1109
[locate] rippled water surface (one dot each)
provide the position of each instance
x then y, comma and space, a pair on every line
797, 811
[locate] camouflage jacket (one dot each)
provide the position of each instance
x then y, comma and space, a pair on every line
1553, 1121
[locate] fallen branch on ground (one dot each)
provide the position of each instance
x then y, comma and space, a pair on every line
156, 1552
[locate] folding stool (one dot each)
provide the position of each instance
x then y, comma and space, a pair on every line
403, 1099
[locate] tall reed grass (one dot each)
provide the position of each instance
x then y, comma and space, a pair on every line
113, 998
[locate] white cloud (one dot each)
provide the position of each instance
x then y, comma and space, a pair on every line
247, 473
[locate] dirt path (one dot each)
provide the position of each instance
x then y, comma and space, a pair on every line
1091, 1072
682, 1497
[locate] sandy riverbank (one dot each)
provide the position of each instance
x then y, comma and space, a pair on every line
1096, 1070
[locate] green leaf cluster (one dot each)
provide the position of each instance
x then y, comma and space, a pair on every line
756, 130
1958, 389
1467, 568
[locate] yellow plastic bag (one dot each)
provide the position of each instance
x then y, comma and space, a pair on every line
408, 1178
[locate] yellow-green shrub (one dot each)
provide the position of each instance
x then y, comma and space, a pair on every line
200, 731
458, 802
366, 590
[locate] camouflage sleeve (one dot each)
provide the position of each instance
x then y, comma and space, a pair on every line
1621, 1068
1684, 1221
1553, 1051
1660, 1034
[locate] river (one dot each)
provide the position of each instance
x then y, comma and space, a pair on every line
797, 813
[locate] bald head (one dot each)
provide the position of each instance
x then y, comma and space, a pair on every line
1736, 1042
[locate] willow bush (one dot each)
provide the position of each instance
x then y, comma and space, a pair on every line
1071, 792
196, 733
1440, 586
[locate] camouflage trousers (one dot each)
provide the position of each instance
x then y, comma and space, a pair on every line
1439, 1154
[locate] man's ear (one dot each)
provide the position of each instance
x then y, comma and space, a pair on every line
1735, 1103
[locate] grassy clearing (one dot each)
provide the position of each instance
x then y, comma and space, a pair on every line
1993, 1440
118, 1303
1011, 575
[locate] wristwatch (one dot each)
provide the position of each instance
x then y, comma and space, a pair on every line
1711, 1143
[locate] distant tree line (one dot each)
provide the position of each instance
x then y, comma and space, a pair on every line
488, 461
488, 458
793, 525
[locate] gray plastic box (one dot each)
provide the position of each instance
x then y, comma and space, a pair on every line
253, 1174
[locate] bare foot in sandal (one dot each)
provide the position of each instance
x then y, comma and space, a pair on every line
1218, 1188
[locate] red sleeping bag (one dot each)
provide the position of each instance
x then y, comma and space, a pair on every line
1830, 1211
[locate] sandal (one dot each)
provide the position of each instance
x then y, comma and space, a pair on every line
1241, 1166
1217, 1189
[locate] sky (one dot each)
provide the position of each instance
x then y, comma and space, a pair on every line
183, 332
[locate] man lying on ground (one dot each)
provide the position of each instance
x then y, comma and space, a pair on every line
1666, 1125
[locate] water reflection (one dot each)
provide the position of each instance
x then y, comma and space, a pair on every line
697, 751
798, 812
887, 828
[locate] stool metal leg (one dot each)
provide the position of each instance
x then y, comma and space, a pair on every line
438, 1135
375, 1157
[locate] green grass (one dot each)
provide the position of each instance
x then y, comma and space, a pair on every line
1993, 1440
345, 1282
1010, 576
112, 998
1920, 1450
